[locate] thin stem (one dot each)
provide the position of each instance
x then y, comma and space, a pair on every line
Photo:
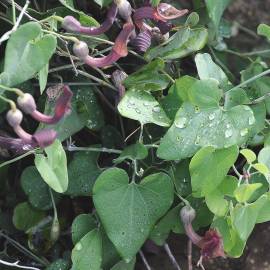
10, 102
171, 256
189, 251
186, 202
53, 204
16, 264
168, 76
144, 260
101, 82
16, 25
71, 38
236, 172
254, 78
141, 134
73, 148
260, 99
17, 158
24, 250
13, 12
15, 90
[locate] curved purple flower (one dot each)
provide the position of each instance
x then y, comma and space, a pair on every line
142, 41
62, 107
211, 244
119, 49
163, 12
72, 25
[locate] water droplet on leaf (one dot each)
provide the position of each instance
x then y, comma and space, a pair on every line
211, 116
244, 132
228, 133
181, 122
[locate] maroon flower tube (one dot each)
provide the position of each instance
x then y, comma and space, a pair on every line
119, 49
163, 12
28, 105
211, 244
72, 25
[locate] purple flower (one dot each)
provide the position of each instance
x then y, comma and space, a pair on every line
211, 244
119, 49
62, 107
163, 12
72, 25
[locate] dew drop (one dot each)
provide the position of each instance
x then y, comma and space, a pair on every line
78, 246
181, 122
251, 120
228, 126
228, 133
131, 102
244, 132
138, 110
178, 138
197, 141
211, 116
156, 109
146, 104
197, 109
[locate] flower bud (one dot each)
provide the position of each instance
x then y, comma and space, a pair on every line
14, 117
27, 103
124, 9
81, 50
71, 24
187, 214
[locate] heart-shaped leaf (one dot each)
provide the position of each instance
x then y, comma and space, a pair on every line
53, 167
194, 128
87, 253
128, 211
36, 189
27, 52
148, 78
181, 44
142, 106
83, 172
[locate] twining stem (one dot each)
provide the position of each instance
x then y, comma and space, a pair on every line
71, 38
17, 158
13, 12
72, 148
254, 78
189, 251
15, 90
16, 264
148, 267
24, 250
171, 256
10, 102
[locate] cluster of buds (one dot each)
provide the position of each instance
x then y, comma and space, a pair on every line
41, 138
211, 243
134, 22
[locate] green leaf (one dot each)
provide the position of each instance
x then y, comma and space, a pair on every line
181, 44
94, 116
87, 253
26, 217
244, 217
36, 189
264, 156
244, 192
170, 222
249, 155
155, 3
209, 167
133, 152
235, 97
205, 94
178, 93
143, 107
262, 168
59, 264
264, 30
26, 53
68, 4
148, 78
192, 19
216, 203
81, 225
83, 171
122, 265
264, 213
208, 69
194, 128
128, 211
42, 77
215, 10
53, 167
